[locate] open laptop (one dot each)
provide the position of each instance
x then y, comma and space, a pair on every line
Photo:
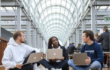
54, 53
34, 57
79, 59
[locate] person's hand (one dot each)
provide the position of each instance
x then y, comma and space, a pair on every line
54, 60
62, 59
88, 60
19, 66
40, 58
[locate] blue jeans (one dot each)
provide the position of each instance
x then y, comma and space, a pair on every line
63, 64
94, 66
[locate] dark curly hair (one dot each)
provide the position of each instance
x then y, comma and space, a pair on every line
50, 42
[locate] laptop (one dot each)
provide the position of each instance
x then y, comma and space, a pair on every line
79, 59
54, 53
34, 57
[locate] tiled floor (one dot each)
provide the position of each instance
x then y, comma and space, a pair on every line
42, 68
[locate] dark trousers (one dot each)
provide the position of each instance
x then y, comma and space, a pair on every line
105, 58
28, 66
62, 64
25, 67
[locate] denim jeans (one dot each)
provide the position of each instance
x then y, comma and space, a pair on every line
94, 66
63, 64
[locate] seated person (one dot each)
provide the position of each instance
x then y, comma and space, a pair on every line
16, 52
71, 49
56, 63
94, 53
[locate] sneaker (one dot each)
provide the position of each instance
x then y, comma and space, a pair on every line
105, 66
46, 69
53, 69
59, 69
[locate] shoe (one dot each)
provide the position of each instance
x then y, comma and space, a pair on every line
105, 66
50, 69
53, 69
46, 69
59, 69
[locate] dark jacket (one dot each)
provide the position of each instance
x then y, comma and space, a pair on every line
71, 49
65, 55
104, 39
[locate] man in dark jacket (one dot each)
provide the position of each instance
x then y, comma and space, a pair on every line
104, 39
71, 49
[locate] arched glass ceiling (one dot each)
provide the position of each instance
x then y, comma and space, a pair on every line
55, 17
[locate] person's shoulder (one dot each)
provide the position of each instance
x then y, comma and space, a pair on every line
97, 45
25, 45
103, 33
10, 46
84, 45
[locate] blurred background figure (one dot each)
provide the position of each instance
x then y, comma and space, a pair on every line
104, 40
95, 37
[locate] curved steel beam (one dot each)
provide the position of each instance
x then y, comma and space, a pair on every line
54, 34
54, 14
55, 19
59, 30
54, 27
45, 10
46, 26
52, 30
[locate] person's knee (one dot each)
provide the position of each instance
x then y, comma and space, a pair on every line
30, 67
95, 65
69, 62
65, 61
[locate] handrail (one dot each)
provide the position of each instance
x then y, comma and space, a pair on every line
3, 39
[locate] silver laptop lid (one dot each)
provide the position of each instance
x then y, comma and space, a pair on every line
54, 53
34, 57
79, 58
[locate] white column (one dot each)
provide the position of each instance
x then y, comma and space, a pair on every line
18, 18
70, 40
34, 38
41, 44
93, 20
44, 47
0, 18
74, 38
38, 41
83, 27
77, 37
68, 43
0, 28
28, 32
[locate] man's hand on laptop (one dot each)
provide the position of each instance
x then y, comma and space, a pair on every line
19, 66
88, 60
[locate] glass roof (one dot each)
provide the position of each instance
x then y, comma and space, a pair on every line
55, 17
